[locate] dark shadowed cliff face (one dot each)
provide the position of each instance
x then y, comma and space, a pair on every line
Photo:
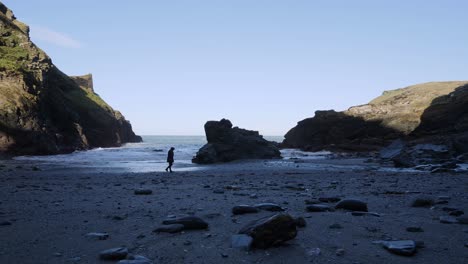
435, 108
44, 111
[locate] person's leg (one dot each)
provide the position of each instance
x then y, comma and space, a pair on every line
170, 166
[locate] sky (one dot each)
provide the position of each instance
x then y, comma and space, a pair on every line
170, 66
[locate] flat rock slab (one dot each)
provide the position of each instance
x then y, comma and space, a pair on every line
189, 222
352, 205
319, 208
114, 253
269, 207
271, 231
244, 209
173, 228
400, 247
143, 192
97, 236
241, 241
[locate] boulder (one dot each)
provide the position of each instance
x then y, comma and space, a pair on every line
227, 143
271, 231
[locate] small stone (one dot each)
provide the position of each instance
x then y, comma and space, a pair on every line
136, 260
329, 199
463, 220
400, 247
114, 253
189, 222
340, 252
358, 213
352, 205
224, 255
143, 192
456, 213
58, 254
314, 252
422, 201
241, 241
97, 236
244, 209
335, 226
5, 223
318, 208
187, 243
269, 207
414, 229
173, 228
448, 220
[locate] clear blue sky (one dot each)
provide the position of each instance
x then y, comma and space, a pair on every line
169, 66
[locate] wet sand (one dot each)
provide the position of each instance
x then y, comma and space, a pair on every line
45, 214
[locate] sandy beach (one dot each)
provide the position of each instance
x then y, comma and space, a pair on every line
46, 214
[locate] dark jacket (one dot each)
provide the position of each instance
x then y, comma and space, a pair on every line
170, 156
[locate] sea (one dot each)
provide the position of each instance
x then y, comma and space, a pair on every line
147, 156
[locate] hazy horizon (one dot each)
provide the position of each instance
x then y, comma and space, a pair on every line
170, 66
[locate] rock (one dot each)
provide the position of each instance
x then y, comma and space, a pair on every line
335, 226
172, 228
143, 192
422, 201
329, 199
300, 222
352, 205
269, 207
359, 213
97, 236
189, 222
271, 231
241, 241
392, 150
456, 213
136, 260
226, 143
5, 223
314, 252
340, 252
244, 209
400, 247
114, 253
319, 208
414, 229
49, 112
448, 220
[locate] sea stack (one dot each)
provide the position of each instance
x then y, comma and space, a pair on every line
44, 111
227, 143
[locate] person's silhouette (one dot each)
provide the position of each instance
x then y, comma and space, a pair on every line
170, 159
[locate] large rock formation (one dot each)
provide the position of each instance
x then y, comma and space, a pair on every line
429, 109
226, 143
44, 111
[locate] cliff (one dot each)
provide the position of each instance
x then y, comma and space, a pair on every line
44, 111
428, 109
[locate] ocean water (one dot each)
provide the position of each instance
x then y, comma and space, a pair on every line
150, 155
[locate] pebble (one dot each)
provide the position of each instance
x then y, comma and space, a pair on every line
97, 236
448, 220
241, 241
114, 253
269, 207
414, 229
340, 252
189, 222
173, 228
335, 226
400, 247
244, 209
318, 208
314, 252
422, 201
143, 192
456, 213
352, 205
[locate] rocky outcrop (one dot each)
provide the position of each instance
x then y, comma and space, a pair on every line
429, 109
44, 111
227, 143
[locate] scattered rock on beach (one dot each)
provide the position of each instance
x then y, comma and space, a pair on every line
135, 260
319, 208
352, 205
244, 209
422, 201
114, 253
241, 241
172, 228
97, 236
269, 207
189, 222
400, 247
271, 231
143, 192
